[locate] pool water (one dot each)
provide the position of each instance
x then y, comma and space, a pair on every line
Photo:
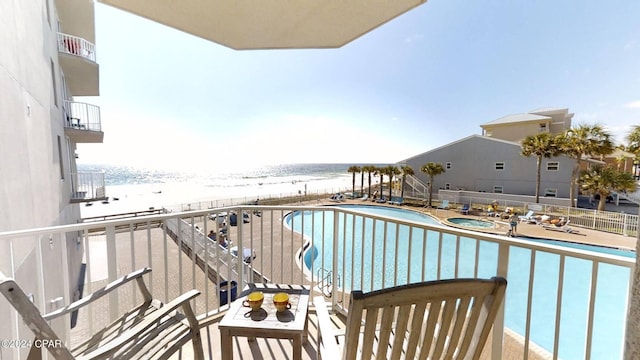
472, 223
418, 256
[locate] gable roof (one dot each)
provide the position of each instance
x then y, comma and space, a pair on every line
517, 118
475, 136
545, 110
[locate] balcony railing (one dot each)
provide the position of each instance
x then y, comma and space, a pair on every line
560, 301
77, 46
77, 58
82, 116
87, 186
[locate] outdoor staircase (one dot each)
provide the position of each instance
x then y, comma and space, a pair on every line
415, 187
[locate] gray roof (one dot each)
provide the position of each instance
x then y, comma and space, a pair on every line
548, 110
516, 118
485, 138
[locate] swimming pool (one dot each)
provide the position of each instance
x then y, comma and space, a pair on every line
418, 255
472, 223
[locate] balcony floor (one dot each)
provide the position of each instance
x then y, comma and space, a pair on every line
262, 348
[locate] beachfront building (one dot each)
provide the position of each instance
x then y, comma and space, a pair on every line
518, 126
492, 162
487, 164
47, 59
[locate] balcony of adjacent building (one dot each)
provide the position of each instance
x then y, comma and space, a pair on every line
82, 122
561, 301
87, 186
78, 61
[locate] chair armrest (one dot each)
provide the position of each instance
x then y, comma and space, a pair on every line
327, 344
152, 320
98, 294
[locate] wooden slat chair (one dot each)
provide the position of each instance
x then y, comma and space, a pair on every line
446, 319
152, 330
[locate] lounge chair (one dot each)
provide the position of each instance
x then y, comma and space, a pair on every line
562, 226
365, 197
464, 209
528, 218
450, 319
444, 204
152, 329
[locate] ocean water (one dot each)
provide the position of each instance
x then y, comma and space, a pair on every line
136, 189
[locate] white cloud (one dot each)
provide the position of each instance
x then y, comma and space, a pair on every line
630, 45
633, 105
413, 38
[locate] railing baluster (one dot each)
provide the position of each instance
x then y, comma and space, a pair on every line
556, 337
353, 249
591, 306
112, 266
527, 331
334, 266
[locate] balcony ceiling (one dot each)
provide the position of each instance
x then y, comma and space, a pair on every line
82, 76
272, 24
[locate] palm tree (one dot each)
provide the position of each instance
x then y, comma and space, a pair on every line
432, 169
634, 140
353, 170
369, 169
634, 145
406, 170
391, 171
604, 180
631, 345
539, 145
380, 171
362, 181
583, 140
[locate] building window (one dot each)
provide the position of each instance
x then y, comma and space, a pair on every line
60, 158
550, 192
498, 189
499, 166
447, 186
54, 84
48, 12
447, 165
543, 128
553, 166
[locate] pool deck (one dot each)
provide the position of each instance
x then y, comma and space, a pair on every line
579, 234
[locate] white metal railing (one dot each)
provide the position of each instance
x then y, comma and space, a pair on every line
82, 116
607, 221
87, 186
415, 187
175, 247
77, 46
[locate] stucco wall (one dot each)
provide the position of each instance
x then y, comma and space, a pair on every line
34, 192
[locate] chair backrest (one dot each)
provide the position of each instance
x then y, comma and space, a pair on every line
32, 318
529, 214
446, 319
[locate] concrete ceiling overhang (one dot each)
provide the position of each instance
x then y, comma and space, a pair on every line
271, 24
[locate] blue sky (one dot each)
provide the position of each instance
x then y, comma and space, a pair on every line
427, 78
